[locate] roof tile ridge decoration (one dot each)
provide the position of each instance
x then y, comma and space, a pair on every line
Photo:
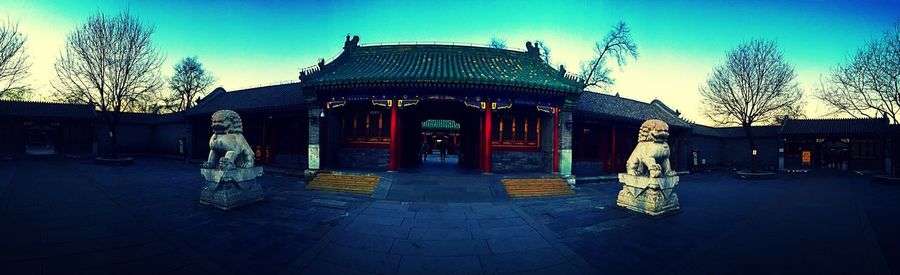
207, 99
835, 118
324, 73
42, 102
659, 104
265, 85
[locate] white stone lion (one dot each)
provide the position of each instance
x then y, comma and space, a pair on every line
651, 155
227, 147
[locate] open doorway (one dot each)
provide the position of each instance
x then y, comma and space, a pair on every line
434, 126
440, 143
40, 140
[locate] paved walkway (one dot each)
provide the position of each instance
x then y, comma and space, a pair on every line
72, 216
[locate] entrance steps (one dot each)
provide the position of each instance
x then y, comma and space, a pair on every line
521, 188
356, 184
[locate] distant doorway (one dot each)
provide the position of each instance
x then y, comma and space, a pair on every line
40, 140
835, 154
440, 144
435, 126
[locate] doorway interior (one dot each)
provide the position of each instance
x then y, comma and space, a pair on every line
40, 140
440, 126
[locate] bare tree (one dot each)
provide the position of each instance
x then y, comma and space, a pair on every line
497, 43
13, 61
188, 84
109, 62
754, 85
617, 44
868, 85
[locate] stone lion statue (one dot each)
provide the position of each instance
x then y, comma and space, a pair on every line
227, 147
651, 155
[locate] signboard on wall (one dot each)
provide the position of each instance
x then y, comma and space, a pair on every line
806, 157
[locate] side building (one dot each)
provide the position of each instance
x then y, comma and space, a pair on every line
374, 107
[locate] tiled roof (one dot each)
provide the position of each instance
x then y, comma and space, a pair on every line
440, 125
734, 132
622, 109
440, 65
266, 98
834, 126
45, 109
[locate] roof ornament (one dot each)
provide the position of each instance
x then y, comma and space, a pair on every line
533, 49
351, 44
321, 63
562, 70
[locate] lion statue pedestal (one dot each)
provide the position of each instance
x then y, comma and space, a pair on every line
649, 182
229, 172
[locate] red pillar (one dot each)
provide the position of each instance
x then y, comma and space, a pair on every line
487, 137
614, 165
393, 156
555, 140
481, 145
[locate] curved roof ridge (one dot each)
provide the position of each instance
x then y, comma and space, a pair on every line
438, 43
391, 64
264, 85
42, 101
835, 118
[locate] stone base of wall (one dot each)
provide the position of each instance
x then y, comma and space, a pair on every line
363, 158
511, 161
588, 168
295, 161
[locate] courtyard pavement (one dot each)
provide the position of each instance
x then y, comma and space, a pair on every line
71, 216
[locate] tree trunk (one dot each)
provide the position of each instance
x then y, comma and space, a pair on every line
749, 132
115, 139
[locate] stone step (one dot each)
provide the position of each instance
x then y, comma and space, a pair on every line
346, 190
536, 185
539, 195
344, 183
538, 191
517, 188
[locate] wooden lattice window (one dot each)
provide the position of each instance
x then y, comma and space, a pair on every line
516, 131
366, 127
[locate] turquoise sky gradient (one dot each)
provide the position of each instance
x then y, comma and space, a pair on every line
245, 43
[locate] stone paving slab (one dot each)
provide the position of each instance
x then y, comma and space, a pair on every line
145, 219
415, 265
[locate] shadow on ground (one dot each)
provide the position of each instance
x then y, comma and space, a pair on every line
73, 216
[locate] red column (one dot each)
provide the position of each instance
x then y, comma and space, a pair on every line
614, 165
393, 157
555, 140
487, 136
481, 145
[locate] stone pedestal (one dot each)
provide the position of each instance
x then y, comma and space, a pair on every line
229, 189
651, 196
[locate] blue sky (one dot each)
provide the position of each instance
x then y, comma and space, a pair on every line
246, 43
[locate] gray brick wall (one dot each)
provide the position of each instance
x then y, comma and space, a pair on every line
314, 124
547, 141
565, 133
363, 158
509, 161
